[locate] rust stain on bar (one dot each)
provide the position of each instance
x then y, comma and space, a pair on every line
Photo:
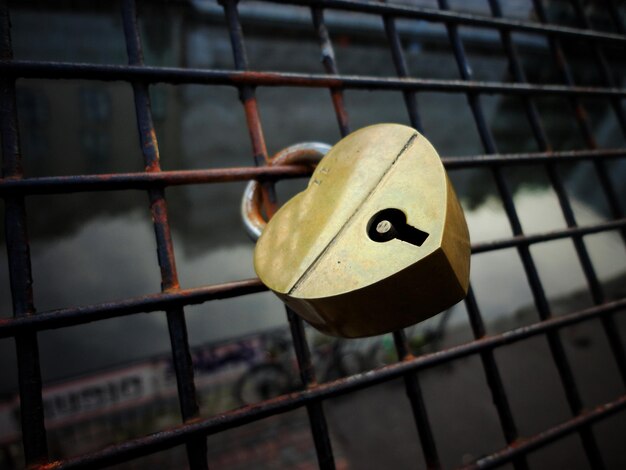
254, 129
146, 180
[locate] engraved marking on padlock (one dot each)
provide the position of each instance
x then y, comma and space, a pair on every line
390, 224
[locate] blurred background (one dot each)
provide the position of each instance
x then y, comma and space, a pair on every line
111, 380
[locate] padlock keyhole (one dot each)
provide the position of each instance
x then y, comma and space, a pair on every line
389, 224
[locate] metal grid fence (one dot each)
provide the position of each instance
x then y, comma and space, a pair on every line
14, 187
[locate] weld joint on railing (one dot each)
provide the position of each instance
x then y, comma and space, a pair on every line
312, 385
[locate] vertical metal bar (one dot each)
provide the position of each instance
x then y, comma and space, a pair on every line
614, 14
556, 182
420, 414
317, 418
490, 367
319, 428
413, 389
581, 116
246, 92
330, 66
20, 273
196, 448
603, 64
554, 341
608, 323
494, 380
489, 364
402, 69
411, 381
248, 99
540, 137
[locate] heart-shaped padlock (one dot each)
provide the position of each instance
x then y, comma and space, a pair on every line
376, 242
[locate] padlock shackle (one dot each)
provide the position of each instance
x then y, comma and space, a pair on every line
306, 153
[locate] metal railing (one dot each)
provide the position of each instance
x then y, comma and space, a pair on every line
15, 187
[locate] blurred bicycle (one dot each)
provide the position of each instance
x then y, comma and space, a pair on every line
333, 359
278, 372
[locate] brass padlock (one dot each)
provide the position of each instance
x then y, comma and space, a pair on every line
377, 241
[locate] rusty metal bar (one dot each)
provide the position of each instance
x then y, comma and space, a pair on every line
317, 418
556, 347
20, 272
315, 410
162, 301
178, 435
488, 360
402, 69
146, 180
494, 379
241, 78
246, 90
181, 356
411, 381
418, 406
330, 66
520, 240
489, 160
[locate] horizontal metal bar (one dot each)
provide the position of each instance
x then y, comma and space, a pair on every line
180, 434
273, 20
454, 17
176, 75
145, 180
150, 303
524, 446
292, 21
54, 319
547, 236
472, 161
